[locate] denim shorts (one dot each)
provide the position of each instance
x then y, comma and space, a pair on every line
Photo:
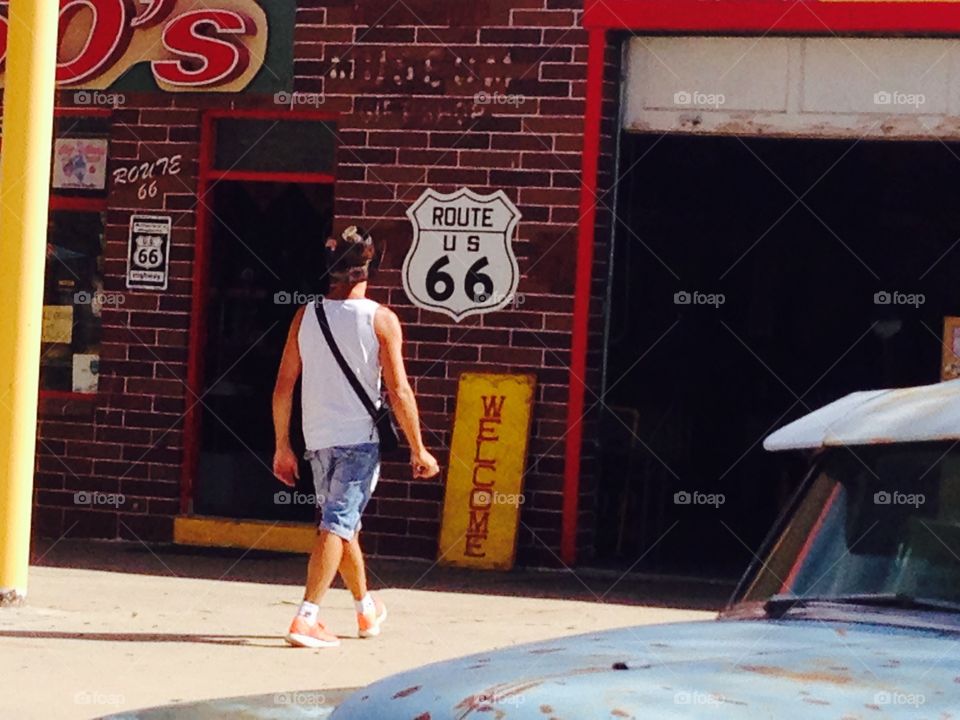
344, 478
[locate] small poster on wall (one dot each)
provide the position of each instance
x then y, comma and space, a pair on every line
950, 367
80, 164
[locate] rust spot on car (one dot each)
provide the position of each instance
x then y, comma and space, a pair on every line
546, 709
617, 712
423, 716
809, 676
406, 692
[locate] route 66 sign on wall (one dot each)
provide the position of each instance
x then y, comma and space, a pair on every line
461, 262
148, 252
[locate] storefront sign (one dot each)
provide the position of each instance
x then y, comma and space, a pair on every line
80, 164
143, 183
148, 253
461, 262
950, 367
215, 46
481, 509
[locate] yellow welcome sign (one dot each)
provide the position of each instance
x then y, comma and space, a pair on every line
481, 509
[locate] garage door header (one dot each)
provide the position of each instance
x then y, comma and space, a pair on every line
817, 17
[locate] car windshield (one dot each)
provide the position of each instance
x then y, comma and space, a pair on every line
879, 526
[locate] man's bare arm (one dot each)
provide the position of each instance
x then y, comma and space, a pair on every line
402, 399
285, 464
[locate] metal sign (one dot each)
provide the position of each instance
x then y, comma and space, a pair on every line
148, 252
461, 262
484, 494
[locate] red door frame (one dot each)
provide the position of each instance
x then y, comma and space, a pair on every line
738, 17
209, 176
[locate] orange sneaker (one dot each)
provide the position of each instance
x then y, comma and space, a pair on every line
369, 624
310, 635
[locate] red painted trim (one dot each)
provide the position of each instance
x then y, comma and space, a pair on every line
581, 301
78, 204
808, 17
811, 539
81, 112
284, 177
65, 395
198, 317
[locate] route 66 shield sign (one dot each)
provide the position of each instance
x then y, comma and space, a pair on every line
461, 262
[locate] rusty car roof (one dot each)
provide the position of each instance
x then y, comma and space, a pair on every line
915, 414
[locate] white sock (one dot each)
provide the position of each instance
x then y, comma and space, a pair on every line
366, 605
309, 611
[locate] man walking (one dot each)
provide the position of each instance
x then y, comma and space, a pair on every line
341, 436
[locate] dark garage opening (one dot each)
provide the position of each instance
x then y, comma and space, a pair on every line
694, 387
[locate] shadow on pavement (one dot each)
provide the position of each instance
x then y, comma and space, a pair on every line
245, 640
260, 566
304, 705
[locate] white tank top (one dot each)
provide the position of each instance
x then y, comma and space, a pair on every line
333, 415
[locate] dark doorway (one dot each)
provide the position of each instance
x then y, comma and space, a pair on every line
737, 308
266, 258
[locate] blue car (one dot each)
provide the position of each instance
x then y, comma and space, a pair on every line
851, 611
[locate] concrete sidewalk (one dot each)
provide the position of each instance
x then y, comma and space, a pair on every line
92, 642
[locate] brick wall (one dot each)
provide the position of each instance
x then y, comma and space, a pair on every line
405, 78
129, 439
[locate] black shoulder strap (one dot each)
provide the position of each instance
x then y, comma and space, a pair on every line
341, 361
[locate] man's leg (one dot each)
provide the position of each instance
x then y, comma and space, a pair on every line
327, 555
352, 568
306, 629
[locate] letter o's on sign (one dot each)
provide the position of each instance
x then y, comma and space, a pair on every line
107, 38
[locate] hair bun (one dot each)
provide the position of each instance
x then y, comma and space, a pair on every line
357, 235
349, 258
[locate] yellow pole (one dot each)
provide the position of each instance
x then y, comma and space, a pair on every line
24, 201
